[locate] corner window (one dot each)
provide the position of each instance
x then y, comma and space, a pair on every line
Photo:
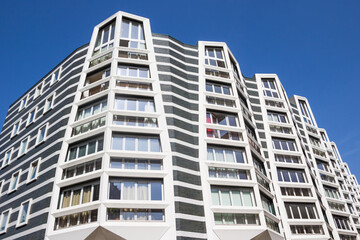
41, 134
105, 38
4, 220
7, 157
269, 88
16, 128
214, 57
31, 117
132, 34
24, 146
33, 170
14, 181
24, 213
49, 103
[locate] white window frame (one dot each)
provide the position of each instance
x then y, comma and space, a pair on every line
141, 42
17, 182
29, 114
39, 132
18, 224
38, 92
11, 153
29, 179
2, 182
7, 222
26, 98
21, 144
53, 80
13, 134
46, 108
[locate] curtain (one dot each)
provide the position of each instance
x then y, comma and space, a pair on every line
142, 191
66, 199
247, 198
129, 191
86, 194
76, 198
229, 156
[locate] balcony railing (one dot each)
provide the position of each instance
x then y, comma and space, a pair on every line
101, 59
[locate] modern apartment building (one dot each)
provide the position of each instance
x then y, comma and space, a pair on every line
137, 135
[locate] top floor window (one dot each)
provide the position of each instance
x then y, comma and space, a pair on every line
235, 70
214, 57
55, 77
132, 34
23, 103
269, 88
105, 38
306, 113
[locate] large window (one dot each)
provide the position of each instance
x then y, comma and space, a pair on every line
24, 213
136, 143
287, 158
232, 196
306, 112
214, 57
132, 34
277, 117
269, 88
306, 229
315, 142
222, 134
96, 76
279, 129
332, 192
82, 194
218, 88
137, 215
135, 104
229, 173
95, 90
236, 218
133, 71
301, 211
81, 169
284, 144
4, 220
226, 155
135, 121
91, 110
298, 192
268, 204
135, 164
291, 175
133, 85
136, 189
222, 119
85, 127
105, 38
85, 148
76, 219
220, 101
321, 165
259, 165
342, 222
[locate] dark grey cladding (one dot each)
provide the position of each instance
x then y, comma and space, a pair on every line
57, 118
180, 97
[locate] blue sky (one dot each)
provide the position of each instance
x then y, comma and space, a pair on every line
313, 46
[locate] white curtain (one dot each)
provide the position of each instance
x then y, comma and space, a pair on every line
129, 191
142, 191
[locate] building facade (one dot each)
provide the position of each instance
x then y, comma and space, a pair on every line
137, 135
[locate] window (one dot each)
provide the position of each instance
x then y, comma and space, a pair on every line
315, 142
284, 144
220, 101
85, 148
259, 165
55, 77
272, 103
24, 146
135, 164
272, 224
342, 222
31, 116
236, 218
131, 214
277, 117
321, 165
222, 119
291, 175
42, 134
306, 113
269, 86
24, 213
301, 211
279, 129
222, 134
1, 186
7, 157
136, 143
75, 219
226, 155
23, 103
85, 127
97, 76
132, 34
88, 192
94, 90
232, 197
33, 170
14, 181
218, 88
268, 204
49, 103
229, 173
105, 38
216, 73
139, 189
337, 206
90, 110
298, 192
4, 220
133, 71
332, 192
214, 57
133, 85
287, 158
81, 169
38, 90
16, 128
306, 229
135, 104
135, 121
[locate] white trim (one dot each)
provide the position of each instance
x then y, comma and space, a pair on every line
17, 181
18, 224
21, 146
46, 126
29, 179
8, 219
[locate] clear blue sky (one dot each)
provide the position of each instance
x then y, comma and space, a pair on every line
313, 46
